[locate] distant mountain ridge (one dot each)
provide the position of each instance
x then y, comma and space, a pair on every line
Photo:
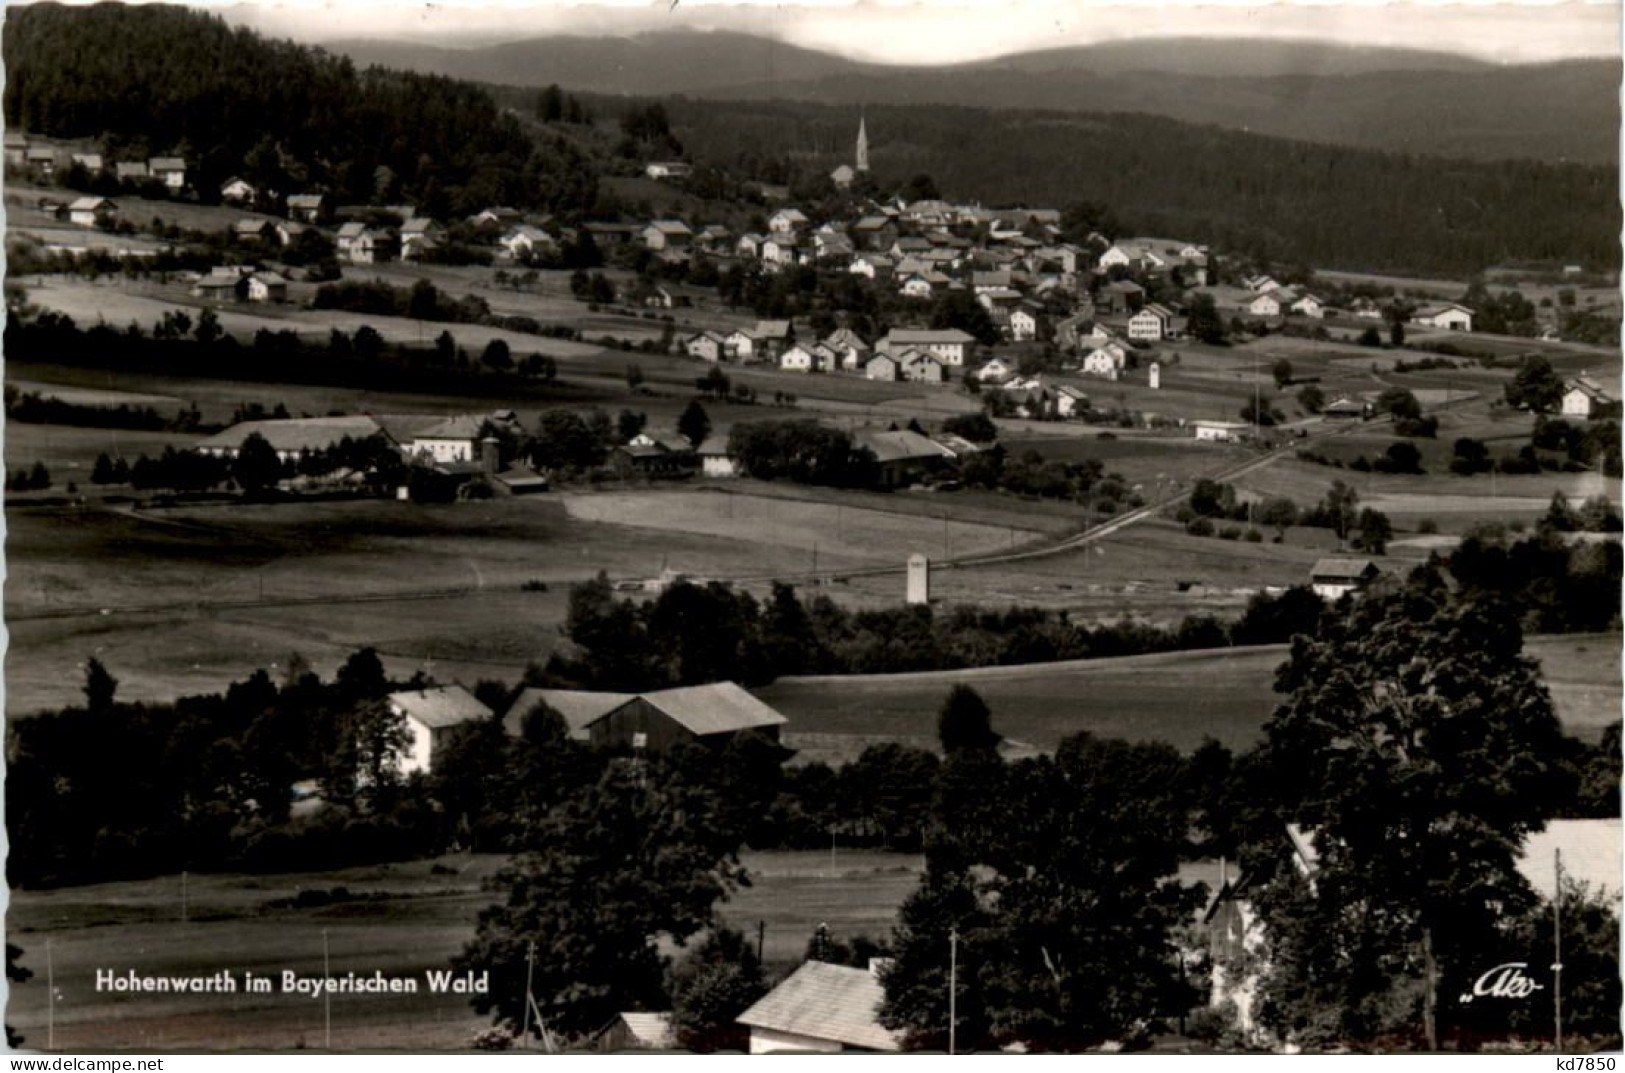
1376, 98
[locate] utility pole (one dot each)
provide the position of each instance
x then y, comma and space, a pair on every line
530, 967
1557, 951
761, 939
953, 989
183, 896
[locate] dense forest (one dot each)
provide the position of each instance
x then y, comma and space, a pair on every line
153, 80
1278, 200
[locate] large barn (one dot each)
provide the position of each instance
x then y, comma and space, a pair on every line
709, 714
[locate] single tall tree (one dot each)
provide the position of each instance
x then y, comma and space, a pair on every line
1416, 748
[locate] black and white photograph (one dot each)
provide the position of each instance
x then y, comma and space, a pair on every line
1008, 527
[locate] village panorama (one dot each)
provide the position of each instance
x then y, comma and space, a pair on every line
501, 558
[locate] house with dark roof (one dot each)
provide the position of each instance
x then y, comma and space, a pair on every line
712, 714
904, 457
824, 1009
1335, 577
435, 718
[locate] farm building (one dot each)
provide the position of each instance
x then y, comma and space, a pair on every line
1220, 431
291, 437
1122, 297
1584, 397
267, 286
711, 714
648, 456
821, 1008
1151, 323
666, 235
1344, 409
223, 283
434, 719
1334, 578
1107, 360
1023, 325
252, 231
637, 1031
1452, 316
904, 456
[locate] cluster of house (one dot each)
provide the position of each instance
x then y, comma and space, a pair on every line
47, 161
924, 355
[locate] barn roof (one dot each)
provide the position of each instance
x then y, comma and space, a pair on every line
579, 708
1342, 568
901, 445
717, 708
651, 1030
445, 706
825, 1002
295, 433
461, 427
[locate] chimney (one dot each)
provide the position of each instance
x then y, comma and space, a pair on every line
490, 456
1224, 873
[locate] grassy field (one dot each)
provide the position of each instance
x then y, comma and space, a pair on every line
422, 921
1179, 697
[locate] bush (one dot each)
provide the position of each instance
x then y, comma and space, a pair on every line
1201, 527
1254, 536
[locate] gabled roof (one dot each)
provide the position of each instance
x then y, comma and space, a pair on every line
446, 706
306, 201
651, 1030
670, 227
717, 708
826, 1002
295, 433
901, 445
127, 169
1343, 569
579, 708
927, 336
1442, 307
90, 204
771, 329
460, 427
1590, 388
353, 229
167, 163
269, 278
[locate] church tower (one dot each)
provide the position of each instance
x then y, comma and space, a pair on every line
863, 147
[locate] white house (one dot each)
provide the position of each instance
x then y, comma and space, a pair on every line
949, 344
1107, 360
1023, 325
739, 345
1267, 304
921, 366
668, 169
1584, 397
714, 458
707, 346
1334, 578
1069, 401
435, 718
1150, 323
238, 192
667, 235
849, 348
916, 286
91, 211
456, 439
996, 371
824, 1009
1260, 284
1309, 306
307, 208
787, 221
1452, 316
522, 242
798, 359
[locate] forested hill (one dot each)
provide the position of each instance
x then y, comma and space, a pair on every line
1378, 98
1322, 205
151, 79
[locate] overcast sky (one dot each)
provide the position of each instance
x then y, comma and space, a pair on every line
953, 30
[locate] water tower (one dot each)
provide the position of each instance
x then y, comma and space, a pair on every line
1156, 376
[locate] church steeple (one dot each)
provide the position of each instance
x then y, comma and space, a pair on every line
863, 147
